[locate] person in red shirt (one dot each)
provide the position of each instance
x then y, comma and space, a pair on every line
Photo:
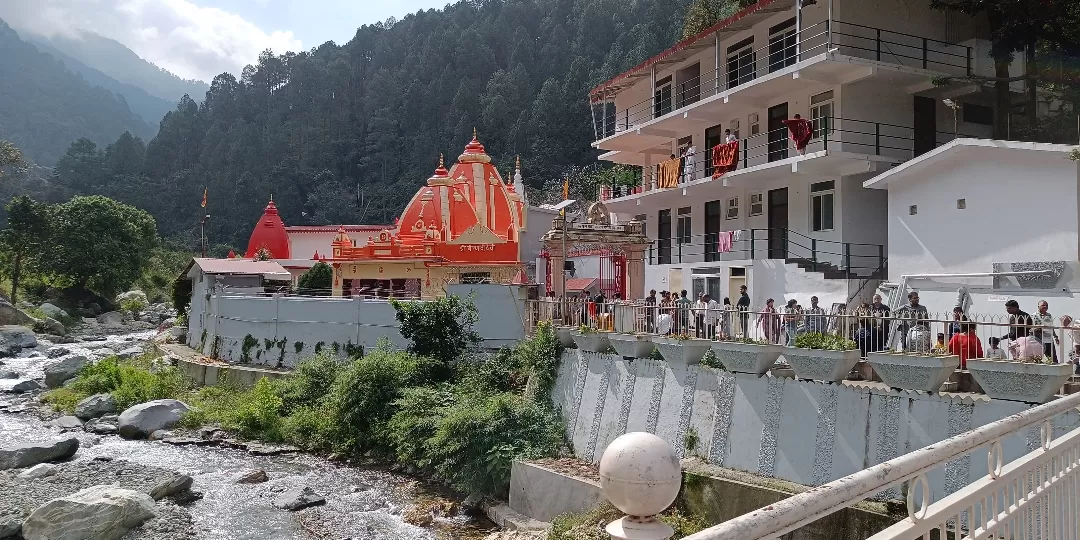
965, 344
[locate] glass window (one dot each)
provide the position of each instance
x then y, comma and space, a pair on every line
756, 205
821, 113
822, 196
732, 208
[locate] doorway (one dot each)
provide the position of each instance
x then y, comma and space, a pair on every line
662, 97
925, 131
778, 135
778, 223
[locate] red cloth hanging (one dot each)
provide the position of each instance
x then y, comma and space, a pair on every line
725, 157
801, 132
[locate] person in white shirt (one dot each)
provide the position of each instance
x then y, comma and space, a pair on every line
689, 162
701, 308
1074, 338
712, 316
729, 137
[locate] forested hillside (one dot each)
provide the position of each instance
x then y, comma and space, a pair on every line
374, 114
43, 106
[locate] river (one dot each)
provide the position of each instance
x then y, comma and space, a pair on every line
362, 503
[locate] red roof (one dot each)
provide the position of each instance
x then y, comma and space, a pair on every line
334, 228
269, 233
681, 46
580, 284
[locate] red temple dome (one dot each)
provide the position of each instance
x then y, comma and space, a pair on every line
474, 152
476, 177
269, 233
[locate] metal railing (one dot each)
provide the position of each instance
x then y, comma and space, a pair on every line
816, 255
828, 134
1033, 497
743, 67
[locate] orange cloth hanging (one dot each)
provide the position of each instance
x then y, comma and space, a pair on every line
669, 174
801, 132
725, 157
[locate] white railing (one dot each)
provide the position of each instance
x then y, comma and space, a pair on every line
1034, 497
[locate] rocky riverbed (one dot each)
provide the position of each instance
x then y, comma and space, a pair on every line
227, 499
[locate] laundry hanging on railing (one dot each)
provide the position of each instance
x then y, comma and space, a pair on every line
668, 174
725, 242
725, 157
801, 132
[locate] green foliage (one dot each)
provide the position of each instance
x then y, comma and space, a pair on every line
710, 360
590, 525
129, 381
441, 329
317, 281
826, 342
260, 414
691, 440
159, 278
309, 383
245, 348
9, 156
319, 347
133, 304
298, 347
100, 243
25, 239
181, 294
262, 254
701, 15
215, 347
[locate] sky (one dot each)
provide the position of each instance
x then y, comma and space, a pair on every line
198, 39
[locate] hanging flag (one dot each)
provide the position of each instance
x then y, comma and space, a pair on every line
204, 192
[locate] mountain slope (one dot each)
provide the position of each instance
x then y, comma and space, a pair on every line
44, 107
122, 64
151, 108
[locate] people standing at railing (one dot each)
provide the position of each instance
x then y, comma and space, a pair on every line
801, 132
1019, 320
650, 312
864, 329
700, 308
744, 311
914, 332
1073, 331
769, 322
791, 317
965, 344
880, 311
958, 319
995, 352
684, 305
729, 137
667, 312
816, 320
727, 318
1044, 330
712, 315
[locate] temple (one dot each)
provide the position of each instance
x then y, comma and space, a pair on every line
464, 225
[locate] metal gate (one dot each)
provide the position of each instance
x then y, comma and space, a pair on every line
613, 275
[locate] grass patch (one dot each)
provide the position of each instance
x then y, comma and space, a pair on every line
130, 382
590, 525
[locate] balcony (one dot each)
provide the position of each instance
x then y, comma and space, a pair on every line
837, 52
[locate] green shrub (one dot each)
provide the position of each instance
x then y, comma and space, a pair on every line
317, 281
129, 381
258, 414
419, 412
827, 342
310, 428
133, 304
63, 399
310, 382
441, 329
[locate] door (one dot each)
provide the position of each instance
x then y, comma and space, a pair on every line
713, 137
778, 134
689, 82
925, 132
778, 223
663, 236
662, 98
713, 289
713, 211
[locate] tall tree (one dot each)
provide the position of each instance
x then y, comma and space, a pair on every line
9, 156
25, 235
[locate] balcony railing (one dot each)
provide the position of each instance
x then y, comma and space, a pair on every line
829, 134
838, 259
743, 67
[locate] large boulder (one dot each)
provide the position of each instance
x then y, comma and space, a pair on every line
52, 327
143, 419
15, 338
29, 454
8, 374
53, 311
66, 368
27, 385
10, 314
132, 295
67, 422
172, 486
105, 512
295, 499
111, 318
95, 406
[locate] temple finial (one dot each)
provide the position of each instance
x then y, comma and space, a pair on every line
441, 160
474, 133
517, 163
271, 197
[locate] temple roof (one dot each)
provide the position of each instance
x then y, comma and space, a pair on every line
270, 233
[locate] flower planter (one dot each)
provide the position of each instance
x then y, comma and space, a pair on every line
1013, 381
682, 351
593, 341
746, 357
913, 371
819, 364
565, 334
632, 345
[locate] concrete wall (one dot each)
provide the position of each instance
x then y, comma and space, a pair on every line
809, 433
286, 321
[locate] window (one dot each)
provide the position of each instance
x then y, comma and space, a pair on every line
821, 113
961, 204
913, 209
732, 208
756, 205
712, 230
683, 231
978, 114
663, 239
662, 98
821, 205
688, 81
782, 45
741, 63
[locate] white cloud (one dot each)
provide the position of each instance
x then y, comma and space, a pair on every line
189, 40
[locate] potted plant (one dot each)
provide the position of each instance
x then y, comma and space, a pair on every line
632, 345
913, 371
1033, 379
746, 355
590, 339
682, 348
822, 357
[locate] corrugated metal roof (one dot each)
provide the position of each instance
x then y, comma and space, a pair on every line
267, 269
579, 284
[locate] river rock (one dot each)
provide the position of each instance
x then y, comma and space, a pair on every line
26, 455
10, 314
297, 499
41, 470
130, 352
66, 368
53, 327
173, 486
159, 435
145, 418
112, 318
257, 449
104, 512
53, 311
67, 422
95, 406
13, 339
257, 476
100, 426
10, 526
8, 374
57, 352
27, 385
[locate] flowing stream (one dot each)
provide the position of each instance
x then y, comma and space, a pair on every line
362, 503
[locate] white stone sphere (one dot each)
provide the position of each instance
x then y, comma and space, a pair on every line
640, 474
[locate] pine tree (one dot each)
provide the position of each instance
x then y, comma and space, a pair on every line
701, 15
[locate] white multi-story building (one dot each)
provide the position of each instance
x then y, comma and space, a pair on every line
868, 75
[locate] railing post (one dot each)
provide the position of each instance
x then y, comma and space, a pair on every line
877, 138
745, 152
847, 257
968, 61
881, 257
825, 140
878, 44
813, 254
752, 243
627, 128
924, 52
680, 249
